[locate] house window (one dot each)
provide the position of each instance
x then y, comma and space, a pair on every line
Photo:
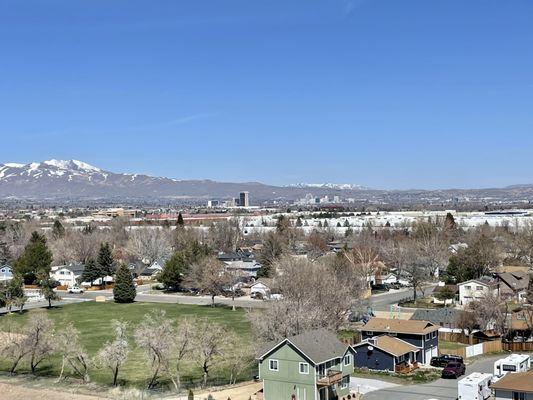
304, 368
433, 334
345, 382
347, 359
426, 337
370, 333
519, 396
467, 287
479, 287
273, 365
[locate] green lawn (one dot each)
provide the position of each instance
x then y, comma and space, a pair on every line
444, 345
93, 320
416, 377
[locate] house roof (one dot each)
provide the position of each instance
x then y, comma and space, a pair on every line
317, 345
394, 346
436, 316
453, 288
517, 382
484, 280
517, 281
419, 327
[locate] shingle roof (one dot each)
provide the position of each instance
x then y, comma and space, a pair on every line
516, 281
518, 382
318, 345
394, 346
400, 326
437, 316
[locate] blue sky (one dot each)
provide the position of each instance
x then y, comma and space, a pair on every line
384, 93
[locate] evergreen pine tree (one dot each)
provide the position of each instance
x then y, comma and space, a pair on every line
180, 220
346, 223
338, 224
325, 225
47, 286
299, 222
91, 272
387, 224
57, 229
191, 395
124, 289
36, 259
449, 222
105, 262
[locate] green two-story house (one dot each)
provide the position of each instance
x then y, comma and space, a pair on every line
314, 365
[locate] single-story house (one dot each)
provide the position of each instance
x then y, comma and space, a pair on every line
516, 386
6, 273
443, 317
386, 353
246, 269
422, 334
263, 287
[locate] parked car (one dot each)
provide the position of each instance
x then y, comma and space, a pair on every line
443, 360
453, 370
75, 289
381, 287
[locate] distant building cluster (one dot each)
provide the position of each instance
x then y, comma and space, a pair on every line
242, 201
309, 199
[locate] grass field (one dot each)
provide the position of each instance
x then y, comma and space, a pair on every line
444, 345
93, 320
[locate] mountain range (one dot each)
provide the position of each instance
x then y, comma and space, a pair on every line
73, 179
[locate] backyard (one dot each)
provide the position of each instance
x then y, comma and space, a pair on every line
93, 320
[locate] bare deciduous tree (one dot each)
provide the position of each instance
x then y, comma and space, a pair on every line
14, 347
314, 295
149, 244
155, 335
238, 357
114, 353
181, 348
208, 276
38, 333
209, 345
73, 355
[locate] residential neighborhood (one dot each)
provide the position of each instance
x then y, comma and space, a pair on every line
266, 200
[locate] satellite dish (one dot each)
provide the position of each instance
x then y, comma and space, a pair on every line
370, 348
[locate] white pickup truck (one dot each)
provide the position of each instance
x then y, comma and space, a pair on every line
75, 289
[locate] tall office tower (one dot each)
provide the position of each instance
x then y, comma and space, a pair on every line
244, 199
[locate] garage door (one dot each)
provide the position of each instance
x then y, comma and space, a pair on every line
428, 357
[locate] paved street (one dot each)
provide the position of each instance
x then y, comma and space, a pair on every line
383, 301
379, 302
441, 389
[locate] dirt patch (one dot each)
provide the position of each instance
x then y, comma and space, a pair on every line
241, 392
14, 391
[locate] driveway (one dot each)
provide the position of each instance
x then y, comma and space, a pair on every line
441, 389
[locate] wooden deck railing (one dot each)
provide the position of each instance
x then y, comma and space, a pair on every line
332, 377
405, 368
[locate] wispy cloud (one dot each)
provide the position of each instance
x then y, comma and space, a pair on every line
351, 5
173, 122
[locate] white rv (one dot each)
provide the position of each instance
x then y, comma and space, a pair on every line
474, 387
512, 363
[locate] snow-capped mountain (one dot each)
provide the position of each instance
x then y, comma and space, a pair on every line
77, 179
336, 186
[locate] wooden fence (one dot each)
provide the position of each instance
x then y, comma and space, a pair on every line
517, 347
493, 346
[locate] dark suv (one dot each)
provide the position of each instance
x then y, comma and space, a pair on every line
454, 370
443, 360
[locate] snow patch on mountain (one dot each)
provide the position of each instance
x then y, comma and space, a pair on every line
337, 186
